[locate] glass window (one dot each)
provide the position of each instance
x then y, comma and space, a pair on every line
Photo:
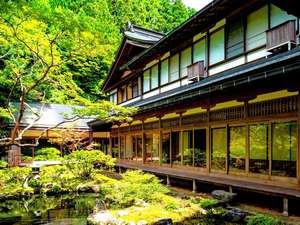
129, 153
129, 91
235, 38
137, 148
217, 47
135, 88
187, 147
199, 51
113, 98
166, 147
257, 24
146, 81
185, 61
176, 154
115, 147
164, 74
259, 151
152, 147
237, 149
154, 77
122, 146
200, 148
284, 149
174, 67
219, 151
279, 16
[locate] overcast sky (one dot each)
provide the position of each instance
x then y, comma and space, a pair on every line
197, 4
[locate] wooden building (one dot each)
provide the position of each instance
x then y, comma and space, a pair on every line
218, 98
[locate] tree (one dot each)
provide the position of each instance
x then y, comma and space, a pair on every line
35, 54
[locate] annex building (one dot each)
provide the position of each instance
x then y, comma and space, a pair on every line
218, 98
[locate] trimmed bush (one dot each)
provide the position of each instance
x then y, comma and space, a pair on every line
262, 219
45, 154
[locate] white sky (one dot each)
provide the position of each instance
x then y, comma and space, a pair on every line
197, 4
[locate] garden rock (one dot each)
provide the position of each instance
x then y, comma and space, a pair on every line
83, 188
234, 215
167, 221
223, 196
96, 188
103, 218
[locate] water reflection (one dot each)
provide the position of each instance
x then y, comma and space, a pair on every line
67, 209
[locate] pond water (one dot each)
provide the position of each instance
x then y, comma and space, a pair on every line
62, 210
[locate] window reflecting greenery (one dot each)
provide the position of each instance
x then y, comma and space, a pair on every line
176, 154
115, 147
237, 149
200, 148
219, 151
217, 44
187, 147
122, 147
185, 61
259, 160
129, 151
166, 147
137, 148
284, 149
152, 147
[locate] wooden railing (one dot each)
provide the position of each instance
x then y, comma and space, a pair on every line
281, 35
196, 71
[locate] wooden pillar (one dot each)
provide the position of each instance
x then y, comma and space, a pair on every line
285, 207
143, 143
168, 181
180, 137
160, 140
194, 186
227, 149
247, 157
110, 145
119, 142
230, 189
270, 148
298, 142
208, 143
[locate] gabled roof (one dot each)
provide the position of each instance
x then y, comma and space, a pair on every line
136, 39
51, 115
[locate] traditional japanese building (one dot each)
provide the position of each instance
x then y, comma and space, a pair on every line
218, 98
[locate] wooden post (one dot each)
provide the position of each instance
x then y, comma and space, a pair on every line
247, 158
110, 145
168, 181
160, 140
180, 138
119, 142
227, 149
208, 143
143, 143
285, 207
230, 189
270, 148
298, 142
194, 186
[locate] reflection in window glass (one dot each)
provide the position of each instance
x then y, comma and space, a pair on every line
146, 80
284, 147
166, 148
137, 148
217, 47
279, 16
259, 152
115, 147
122, 147
129, 153
154, 77
199, 51
152, 147
237, 149
235, 38
164, 74
176, 154
185, 61
219, 152
257, 24
174, 67
187, 147
200, 147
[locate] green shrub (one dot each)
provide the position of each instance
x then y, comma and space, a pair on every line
261, 219
3, 164
83, 162
49, 153
26, 158
208, 203
134, 185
